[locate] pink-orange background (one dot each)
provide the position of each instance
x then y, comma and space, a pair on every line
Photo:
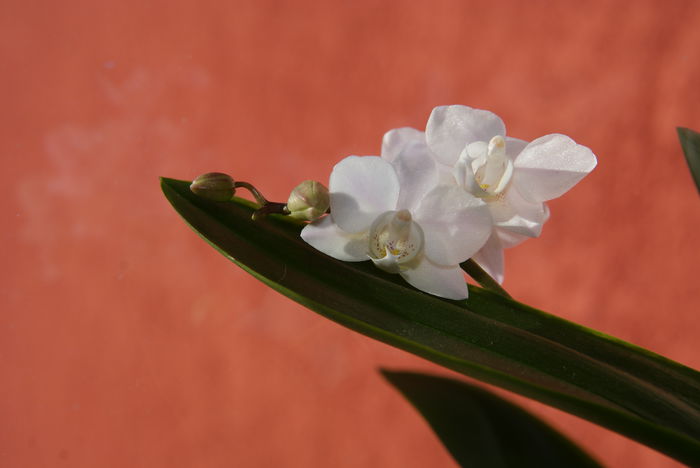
126, 341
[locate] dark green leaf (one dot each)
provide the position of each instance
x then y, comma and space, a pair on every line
482, 430
489, 337
690, 141
479, 275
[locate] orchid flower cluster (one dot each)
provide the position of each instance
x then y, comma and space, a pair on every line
462, 189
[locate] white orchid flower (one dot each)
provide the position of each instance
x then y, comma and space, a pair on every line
395, 214
512, 176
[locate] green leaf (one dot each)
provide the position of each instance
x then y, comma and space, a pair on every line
489, 337
483, 430
690, 141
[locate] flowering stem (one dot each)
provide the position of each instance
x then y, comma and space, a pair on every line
262, 201
266, 207
484, 279
270, 208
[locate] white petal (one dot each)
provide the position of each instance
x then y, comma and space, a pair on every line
550, 165
442, 281
522, 226
509, 239
511, 203
514, 146
361, 188
396, 140
451, 128
326, 236
455, 224
445, 175
515, 214
417, 173
490, 258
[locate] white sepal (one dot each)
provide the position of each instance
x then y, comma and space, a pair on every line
490, 258
396, 140
326, 236
451, 128
443, 281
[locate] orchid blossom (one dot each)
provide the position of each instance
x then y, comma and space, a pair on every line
512, 176
396, 214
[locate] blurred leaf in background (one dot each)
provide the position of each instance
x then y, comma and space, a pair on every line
483, 430
690, 141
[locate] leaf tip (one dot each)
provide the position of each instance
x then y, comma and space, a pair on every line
394, 377
690, 143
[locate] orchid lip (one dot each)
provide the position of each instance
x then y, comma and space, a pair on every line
484, 169
394, 240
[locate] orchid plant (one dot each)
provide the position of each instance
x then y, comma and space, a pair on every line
383, 250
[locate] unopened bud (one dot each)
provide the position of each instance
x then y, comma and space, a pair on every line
214, 186
308, 201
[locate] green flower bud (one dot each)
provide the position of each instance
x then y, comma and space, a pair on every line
214, 186
308, 201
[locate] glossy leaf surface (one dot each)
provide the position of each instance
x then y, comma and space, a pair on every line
489, 337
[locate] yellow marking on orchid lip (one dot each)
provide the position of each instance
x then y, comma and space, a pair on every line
484, 186
378, 249
394, 238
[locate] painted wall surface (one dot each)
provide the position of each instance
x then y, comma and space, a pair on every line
126, 341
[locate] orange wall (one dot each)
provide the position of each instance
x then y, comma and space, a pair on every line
126, 341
